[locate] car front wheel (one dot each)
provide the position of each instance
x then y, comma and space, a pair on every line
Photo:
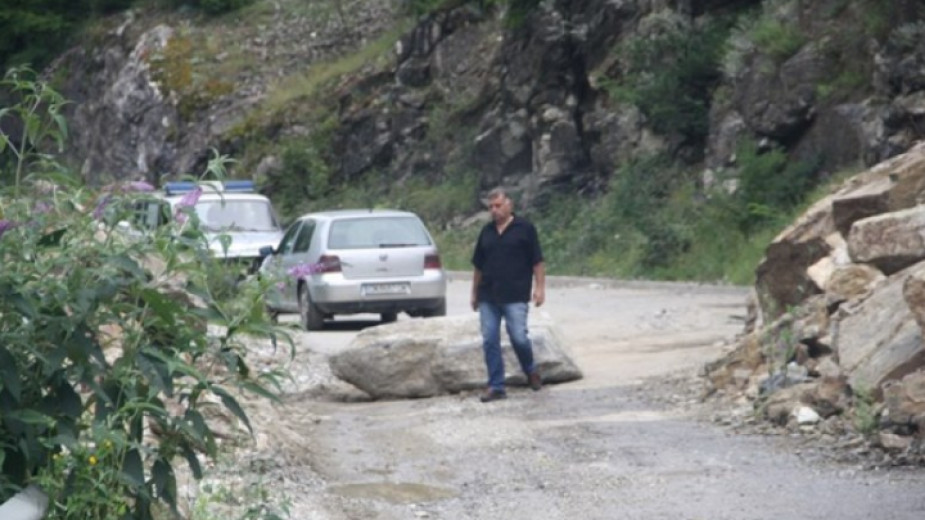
312, 318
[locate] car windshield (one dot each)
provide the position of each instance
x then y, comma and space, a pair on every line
236, 215
377, 231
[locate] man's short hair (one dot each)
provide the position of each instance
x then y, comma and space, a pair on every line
497, 192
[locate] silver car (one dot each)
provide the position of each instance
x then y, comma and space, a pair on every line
355, 261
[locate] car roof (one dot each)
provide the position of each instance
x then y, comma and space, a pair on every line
356, 213
228, 190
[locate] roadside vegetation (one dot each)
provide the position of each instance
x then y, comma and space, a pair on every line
113, 350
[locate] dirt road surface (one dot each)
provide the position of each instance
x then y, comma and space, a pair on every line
601, 448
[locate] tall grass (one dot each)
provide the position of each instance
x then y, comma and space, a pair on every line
307, 85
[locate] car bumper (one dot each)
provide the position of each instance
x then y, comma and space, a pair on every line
333, 294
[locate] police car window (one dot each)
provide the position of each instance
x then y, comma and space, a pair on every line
242, 215
150, 214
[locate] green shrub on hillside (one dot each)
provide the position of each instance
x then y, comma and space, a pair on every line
777, 39
769, 185
33, 32
670, 77
303, 179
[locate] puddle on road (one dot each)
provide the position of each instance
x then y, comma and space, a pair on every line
394, 492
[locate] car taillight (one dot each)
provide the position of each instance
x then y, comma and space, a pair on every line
329, 264
432, 262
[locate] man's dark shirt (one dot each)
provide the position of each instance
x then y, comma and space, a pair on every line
506, 261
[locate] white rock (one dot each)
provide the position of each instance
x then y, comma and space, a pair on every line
806, 415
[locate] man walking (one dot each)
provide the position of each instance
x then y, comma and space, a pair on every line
507, 259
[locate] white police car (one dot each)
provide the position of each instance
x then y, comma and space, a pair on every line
237, 220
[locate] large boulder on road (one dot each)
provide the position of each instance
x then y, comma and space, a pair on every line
428, 357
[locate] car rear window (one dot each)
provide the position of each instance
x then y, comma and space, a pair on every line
377, 232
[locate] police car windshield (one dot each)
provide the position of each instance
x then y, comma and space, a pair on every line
236, 215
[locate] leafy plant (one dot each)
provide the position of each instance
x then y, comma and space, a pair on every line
253, 500
865, 413
304, 177
35, 109
110, 346
759, 32
777, 39
670, 76
768, 186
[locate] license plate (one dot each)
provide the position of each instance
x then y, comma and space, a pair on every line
376, 289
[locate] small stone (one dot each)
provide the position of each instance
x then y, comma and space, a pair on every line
806, 415
893, 442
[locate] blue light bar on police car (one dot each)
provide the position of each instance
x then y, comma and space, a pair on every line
240, 186
175, 187
235, 186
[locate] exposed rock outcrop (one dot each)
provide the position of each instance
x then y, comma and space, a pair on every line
844, 308
427, 357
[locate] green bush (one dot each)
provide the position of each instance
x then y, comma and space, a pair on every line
304, 177
670, 77
106, 337
769, 185
778, 40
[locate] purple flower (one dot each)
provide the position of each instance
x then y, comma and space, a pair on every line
140, 186
304, 270
189, 200
42, 207
280, 286
101, 206
6, 225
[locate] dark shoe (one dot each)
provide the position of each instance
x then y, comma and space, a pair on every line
492, 395
536, 382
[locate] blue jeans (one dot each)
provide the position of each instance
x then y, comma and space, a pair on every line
515, 320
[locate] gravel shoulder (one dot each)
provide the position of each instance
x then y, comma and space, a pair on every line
629, 440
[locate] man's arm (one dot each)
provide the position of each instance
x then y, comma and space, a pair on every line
476, 280
539, 289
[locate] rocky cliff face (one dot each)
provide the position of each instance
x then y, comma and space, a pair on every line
527, 102
155, 95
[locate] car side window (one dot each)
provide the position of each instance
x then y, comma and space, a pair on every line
286, 244
304, 240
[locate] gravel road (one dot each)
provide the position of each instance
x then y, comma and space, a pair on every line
627, 441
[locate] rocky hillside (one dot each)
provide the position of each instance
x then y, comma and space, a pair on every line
839, 312
555, 98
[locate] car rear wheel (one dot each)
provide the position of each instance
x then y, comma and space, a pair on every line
439, 310
389, 317
312, 318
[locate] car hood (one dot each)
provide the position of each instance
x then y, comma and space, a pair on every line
244, 244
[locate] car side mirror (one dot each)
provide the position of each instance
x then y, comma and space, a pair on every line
266, 251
